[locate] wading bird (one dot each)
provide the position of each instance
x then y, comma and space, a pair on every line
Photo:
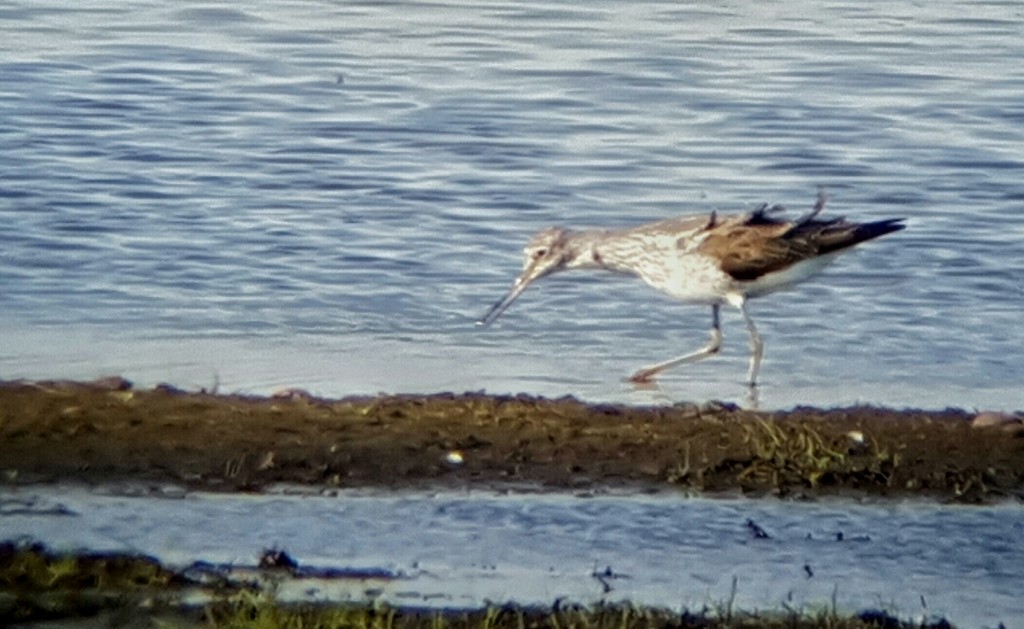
704, 259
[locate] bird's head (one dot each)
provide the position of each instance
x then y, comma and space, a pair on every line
546, 253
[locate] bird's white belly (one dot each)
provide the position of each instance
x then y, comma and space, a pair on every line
692, 279
698, 279
785, 278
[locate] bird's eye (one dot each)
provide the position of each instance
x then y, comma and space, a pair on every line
539, 253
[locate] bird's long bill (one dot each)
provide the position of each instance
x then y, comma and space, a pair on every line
517, 289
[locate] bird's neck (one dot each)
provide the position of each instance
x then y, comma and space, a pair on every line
602, 249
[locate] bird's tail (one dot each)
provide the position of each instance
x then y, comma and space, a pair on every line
836, 235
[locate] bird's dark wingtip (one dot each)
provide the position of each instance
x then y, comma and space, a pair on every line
889, 225
876, 229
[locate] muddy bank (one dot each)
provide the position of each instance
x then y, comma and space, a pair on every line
107, 431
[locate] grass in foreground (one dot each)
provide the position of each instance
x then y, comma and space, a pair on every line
256, 612
38, 585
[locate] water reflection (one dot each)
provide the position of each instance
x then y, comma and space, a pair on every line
464, 548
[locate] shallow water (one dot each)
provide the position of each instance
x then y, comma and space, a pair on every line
464, 548
324, 195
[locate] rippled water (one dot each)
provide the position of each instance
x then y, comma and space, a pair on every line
328, 194
461, 549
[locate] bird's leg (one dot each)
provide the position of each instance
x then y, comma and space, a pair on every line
756, 345
647, 373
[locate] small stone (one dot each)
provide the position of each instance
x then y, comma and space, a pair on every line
454, 458
988, 419
292, 393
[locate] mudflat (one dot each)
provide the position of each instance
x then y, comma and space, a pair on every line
107, 431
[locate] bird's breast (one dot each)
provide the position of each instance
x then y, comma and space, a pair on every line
689, 277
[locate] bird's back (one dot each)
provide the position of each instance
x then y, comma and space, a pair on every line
706, 257
677, 227
757, 244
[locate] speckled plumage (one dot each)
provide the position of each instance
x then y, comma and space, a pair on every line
702, 259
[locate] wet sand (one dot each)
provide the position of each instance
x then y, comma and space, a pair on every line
106, 431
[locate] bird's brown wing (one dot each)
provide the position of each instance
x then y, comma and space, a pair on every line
748, 251
756, 244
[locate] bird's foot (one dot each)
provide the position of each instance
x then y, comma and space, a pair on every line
753, 397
